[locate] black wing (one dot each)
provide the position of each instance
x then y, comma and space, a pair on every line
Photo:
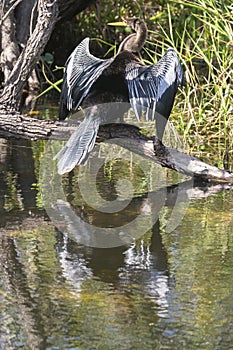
81, 71
152, 88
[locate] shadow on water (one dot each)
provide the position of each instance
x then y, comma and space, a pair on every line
114, 265
149, 293
17, 174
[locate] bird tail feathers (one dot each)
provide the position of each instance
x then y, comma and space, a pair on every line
79, 146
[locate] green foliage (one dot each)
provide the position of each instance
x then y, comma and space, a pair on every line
202, 34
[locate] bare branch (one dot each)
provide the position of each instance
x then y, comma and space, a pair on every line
32, 17
47, 18
10, 10
9, 46
125, 135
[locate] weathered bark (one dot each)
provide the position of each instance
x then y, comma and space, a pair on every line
47, 17
10, 50
18, 21
26, 28
25, 20
125, 135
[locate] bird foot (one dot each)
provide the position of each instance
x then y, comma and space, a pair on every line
159, 148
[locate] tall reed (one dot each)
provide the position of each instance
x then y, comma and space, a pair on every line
202, 33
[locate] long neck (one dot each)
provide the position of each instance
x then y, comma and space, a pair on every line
134, 42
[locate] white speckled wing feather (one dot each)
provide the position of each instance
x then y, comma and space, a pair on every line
152, 88
81, 71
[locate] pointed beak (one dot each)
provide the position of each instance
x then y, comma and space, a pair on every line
117, 24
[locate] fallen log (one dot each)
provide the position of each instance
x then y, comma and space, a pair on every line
124, 135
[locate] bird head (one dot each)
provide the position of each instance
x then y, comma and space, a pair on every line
133, 42
131, 22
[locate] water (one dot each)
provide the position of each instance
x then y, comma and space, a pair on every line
170, 288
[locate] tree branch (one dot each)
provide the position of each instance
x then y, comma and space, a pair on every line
9, 46
47, 17
10, 10
125, 135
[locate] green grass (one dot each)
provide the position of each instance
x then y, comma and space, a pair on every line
202, 33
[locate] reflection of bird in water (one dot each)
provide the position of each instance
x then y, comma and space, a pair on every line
91, 81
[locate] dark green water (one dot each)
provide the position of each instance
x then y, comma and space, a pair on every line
170, 288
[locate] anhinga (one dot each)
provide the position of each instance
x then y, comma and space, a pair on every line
91, 81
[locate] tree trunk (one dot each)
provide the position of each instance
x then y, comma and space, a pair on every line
25, 21
10, 50
47, 17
